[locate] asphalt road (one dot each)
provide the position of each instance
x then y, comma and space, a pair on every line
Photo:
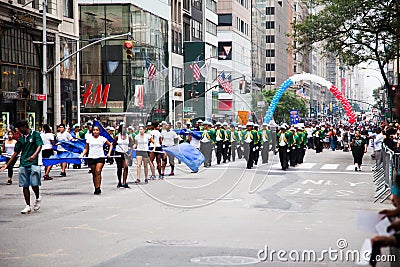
223, 215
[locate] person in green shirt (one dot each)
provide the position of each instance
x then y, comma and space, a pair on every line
235, 139
29, 145
250, 138
206, 141
284, 141
227, 143
219, 134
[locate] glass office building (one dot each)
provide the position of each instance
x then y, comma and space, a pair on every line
106, 63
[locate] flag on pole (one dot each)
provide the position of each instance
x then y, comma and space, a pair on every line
164, 70
196, 69
228, 84
204, 70
151, 69
221, 79
139, 95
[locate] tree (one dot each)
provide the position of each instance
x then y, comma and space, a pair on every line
356, 31
287, 102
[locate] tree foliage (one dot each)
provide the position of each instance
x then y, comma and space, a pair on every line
356, 31
287, 102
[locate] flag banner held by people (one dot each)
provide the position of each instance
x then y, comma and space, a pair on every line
103, 132
64, 157
75, 146
188, 154
185, 132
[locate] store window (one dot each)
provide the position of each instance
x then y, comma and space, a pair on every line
68, 8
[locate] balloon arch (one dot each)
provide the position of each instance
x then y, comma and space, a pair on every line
314, 78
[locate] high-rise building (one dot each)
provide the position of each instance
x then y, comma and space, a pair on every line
21, 57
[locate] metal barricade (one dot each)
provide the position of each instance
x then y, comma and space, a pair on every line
383, 174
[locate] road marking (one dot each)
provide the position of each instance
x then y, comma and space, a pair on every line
329, 166
306, 165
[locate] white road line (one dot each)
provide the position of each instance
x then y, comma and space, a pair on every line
329, 166
350, 168
306, 165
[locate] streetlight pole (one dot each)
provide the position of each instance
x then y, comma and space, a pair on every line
44, 70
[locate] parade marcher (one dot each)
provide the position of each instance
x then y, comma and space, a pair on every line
169, 138
310, 139
358, 147
123, 145
206, 143
283, 140
294, 147
8, 150
219, 142
29, 145
235, 139
63, 135
95, 147
240, 147
318, 138
304, 141
154, 153
142, 140
265, 136
249, 141
48, 139
227, 143
257, 145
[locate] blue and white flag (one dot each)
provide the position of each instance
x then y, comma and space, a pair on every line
188, 154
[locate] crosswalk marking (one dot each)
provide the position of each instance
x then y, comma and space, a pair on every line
329, 166
350, 168
306, 165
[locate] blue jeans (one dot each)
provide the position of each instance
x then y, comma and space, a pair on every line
29, 176
333, 145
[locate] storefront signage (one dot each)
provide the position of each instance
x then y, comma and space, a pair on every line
39, 97
11, 95
99, 96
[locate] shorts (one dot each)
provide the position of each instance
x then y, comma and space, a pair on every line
123, 156
143, 154
46, 153
91, 162
158, 148
29, 176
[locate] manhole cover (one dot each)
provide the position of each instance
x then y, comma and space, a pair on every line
172, 242
225, 260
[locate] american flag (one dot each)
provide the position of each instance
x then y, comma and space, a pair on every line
151, 69
225, 83
228, 85
196, 69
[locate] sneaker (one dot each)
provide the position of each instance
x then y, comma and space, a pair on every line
152, 177
47, 178
119, 185
126, 186
171, 174
27, 209
63, 174
36, 206
9, 182
355, 169
161, 177
359, 168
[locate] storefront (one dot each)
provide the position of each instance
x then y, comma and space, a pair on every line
113, 87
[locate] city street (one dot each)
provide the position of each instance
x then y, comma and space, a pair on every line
188, 219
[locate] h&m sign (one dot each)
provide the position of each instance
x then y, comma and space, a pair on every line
100, 96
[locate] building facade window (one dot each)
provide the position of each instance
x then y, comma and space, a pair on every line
270, 24
270, 80
197, 30
270, 67
225, 20
270, 11
177, 77
186, 5
211, 27
198, 4
211, 5
270, 39
270, 53
68, 8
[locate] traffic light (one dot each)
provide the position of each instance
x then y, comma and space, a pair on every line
240, 85
393, 89
128, 47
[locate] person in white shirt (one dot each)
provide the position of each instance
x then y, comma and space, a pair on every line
155, 148
378, 140
47, 148
8, 149
96, 159
63, 135
123, 145
169, 138
142, 145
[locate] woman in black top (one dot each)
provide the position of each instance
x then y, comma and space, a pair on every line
358, 146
